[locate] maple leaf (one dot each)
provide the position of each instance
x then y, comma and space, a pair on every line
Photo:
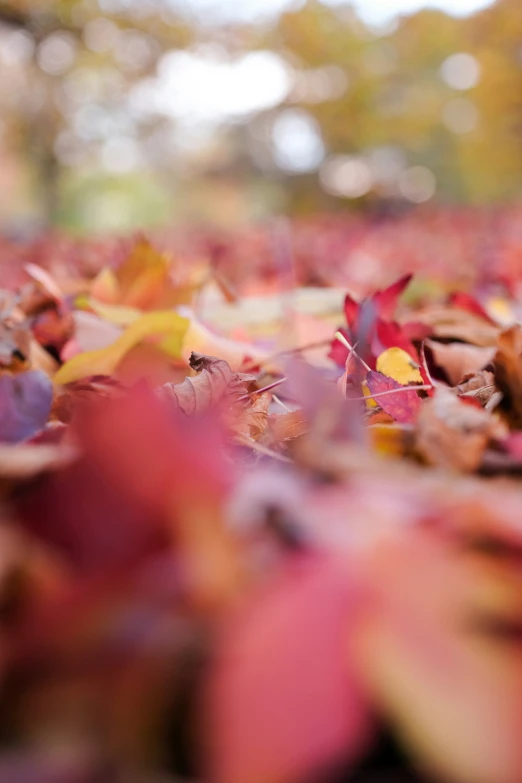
404, 406
137, 480
384, 333
215, 381
264, 725
103, 361
144, 281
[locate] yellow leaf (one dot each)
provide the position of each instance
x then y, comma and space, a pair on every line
105, 360
121, 315
389, 439
501, 311
397, 364
370, 402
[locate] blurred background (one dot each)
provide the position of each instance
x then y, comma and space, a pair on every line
118, 114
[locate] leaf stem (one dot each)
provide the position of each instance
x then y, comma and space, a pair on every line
342, 339
393, 391
289, 352
264, 389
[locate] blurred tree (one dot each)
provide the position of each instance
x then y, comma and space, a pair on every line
437, 92
68, 69
430, 107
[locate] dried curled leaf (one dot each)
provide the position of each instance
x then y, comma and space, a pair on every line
459, 360
453, 434
481, 386
508, 368
215, 380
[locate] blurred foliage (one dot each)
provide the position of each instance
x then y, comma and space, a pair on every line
396, 96
391, 127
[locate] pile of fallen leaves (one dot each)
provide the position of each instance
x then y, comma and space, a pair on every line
250, 541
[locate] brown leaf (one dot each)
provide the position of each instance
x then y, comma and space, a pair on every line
459, 359
288, 426
508, 368
252, 420
14, 345
481, 386
451, 322
215, 380
452, 434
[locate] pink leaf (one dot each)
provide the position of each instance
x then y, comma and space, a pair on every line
403, 406
467, 302
284, 703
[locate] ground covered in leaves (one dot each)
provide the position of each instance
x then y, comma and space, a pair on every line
262, 524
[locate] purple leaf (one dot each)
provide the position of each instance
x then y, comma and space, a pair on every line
25, 403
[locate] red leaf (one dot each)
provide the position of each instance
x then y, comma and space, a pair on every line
467, 302
351, 311
386, 301
403, 406
284, 703
390, 334
338, 351
139, 470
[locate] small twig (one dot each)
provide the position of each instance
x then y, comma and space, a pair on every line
244, 440
392, 391
282, 354
342, 339
264, 389
281, 403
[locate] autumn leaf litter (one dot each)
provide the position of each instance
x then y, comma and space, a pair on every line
379, 505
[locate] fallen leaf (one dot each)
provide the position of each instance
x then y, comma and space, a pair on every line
200, 339
120, 315
451, 323
390, 439
454, 435
482, 386
426, 594
399, 365
215, 380
459, 359
288, 426
404, 406
250, 418
25, 404
105, 360
263, 725
386, 301
465, 301
389, 334
508, 369
15, 343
